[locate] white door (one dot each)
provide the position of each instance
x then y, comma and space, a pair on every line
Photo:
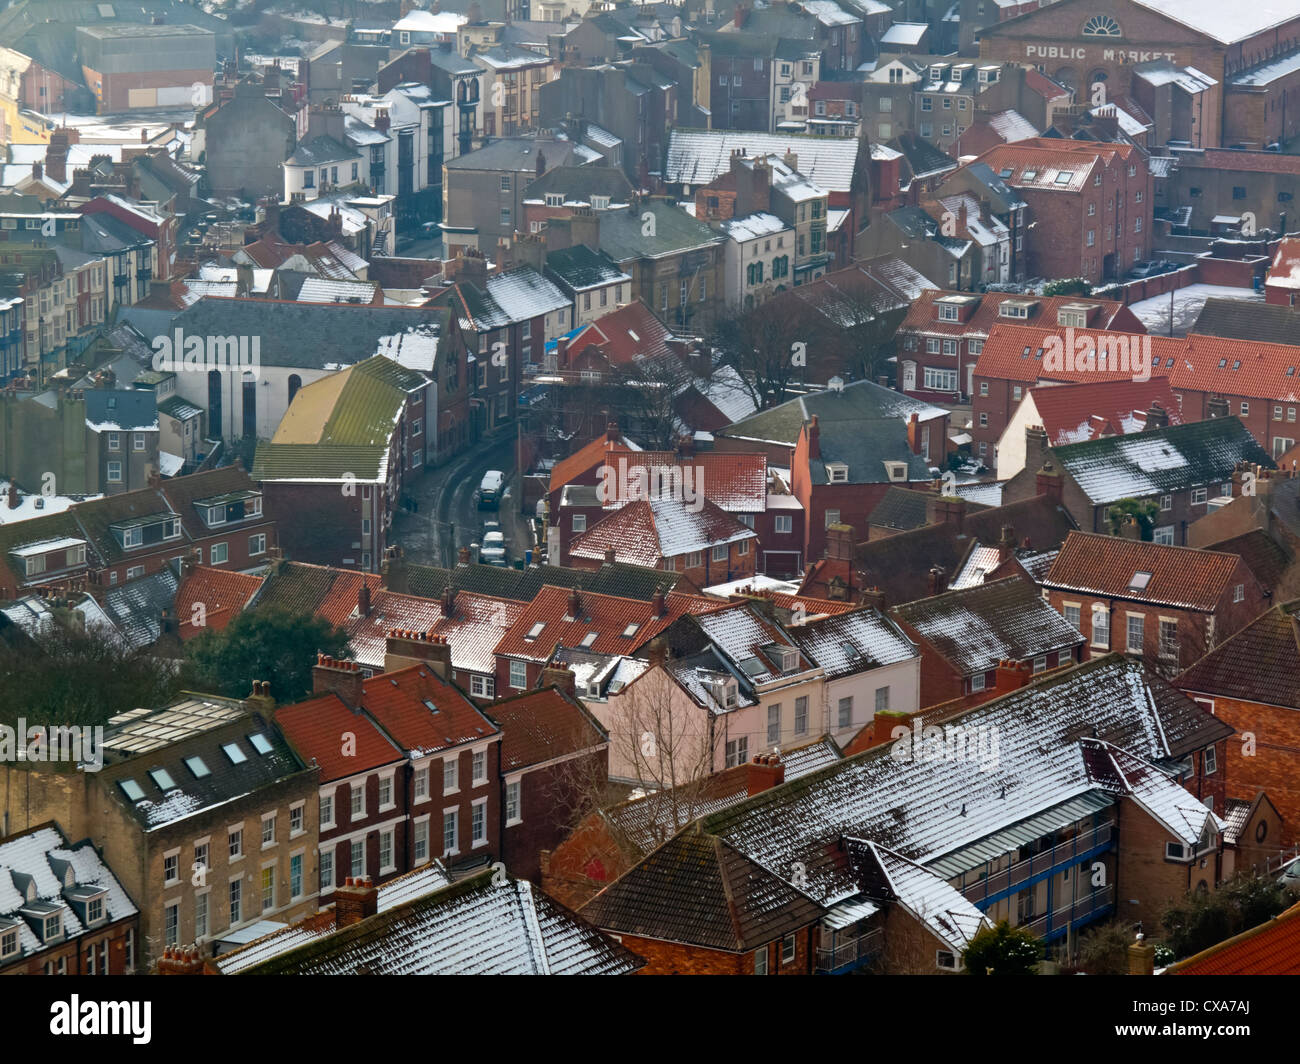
909, 376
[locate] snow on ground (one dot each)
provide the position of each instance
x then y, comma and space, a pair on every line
1154, 312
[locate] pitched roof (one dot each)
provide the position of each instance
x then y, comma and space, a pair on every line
623, 233
922, 315
423, 713
301, 588
136, 607
1160, 460
623, 335
855, 641
475, 927
1115, 567
473, 630
1272, 948
522, 585
976, 627
580, 268
1240, 319
606, 615
222, 594
1049, 164
907, 508
645, 532
1263, 555
1071, 413
698, 157
1257, 664
538, 726
699, 890
927, 897
313, 728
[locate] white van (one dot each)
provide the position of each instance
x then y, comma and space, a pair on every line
489, 491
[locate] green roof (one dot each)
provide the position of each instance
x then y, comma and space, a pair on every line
319, 461
622, 232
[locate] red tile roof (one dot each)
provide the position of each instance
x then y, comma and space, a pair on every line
315, 729
1212, 364
423, 713
624, 335
476, 624
541, 725
1072, 413
585, 458
1253, 162
921, 317
222, 594
645, 533
1046, 157
1183, 577
1284, 270
606, 615
736, 482
1272, 948
1043, 85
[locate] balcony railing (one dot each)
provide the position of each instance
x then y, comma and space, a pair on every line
853, 953
1057, 856
1076, 910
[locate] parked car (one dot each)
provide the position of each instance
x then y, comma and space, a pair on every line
493, 550
490, 489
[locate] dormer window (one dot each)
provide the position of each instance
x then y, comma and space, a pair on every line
52, 927
896, 470
837, 472
555, 199
216, 515
789, 660
8, 942
947, 312
1014, 309
227, 509
599, 203
94, 910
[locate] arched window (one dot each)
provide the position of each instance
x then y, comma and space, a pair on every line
295, 382
1101, 26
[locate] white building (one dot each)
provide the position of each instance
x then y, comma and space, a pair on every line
757, 259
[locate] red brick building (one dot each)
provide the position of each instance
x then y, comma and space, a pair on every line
1089, 205
1168, 605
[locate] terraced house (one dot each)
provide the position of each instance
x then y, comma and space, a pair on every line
893, 859
343, 451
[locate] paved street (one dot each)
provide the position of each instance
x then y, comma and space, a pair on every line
447, 517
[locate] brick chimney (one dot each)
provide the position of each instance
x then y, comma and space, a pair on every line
260, 698
183, 960
1035, 445
560, 676
1141, 957
448, 600
343, 678
356, 900
946, 509
575, 603
763, 773
611, 556
1217, 407
935, 580
914, 434
56, 156
1157, 416
462, 556
13, 496
1130, 528
840, 541
1048, 482
742, 13
612, 434
1006, 543
404, 647
38, 171
382, 120
814, 438
363, 599
657, 605
1011, 676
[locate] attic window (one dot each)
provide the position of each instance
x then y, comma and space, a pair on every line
195, 765
630, 630
260, 743
535, 630
1064, 177
896, 470
1006, 171
163, 778
588, 640
236, 755
1029, 175
1139, 581
1236, 364
837, 472
131, 789
1222, 362
429, 706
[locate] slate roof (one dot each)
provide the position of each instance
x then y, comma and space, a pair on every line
579, 183
201, 726
699, 890
313, 729
925, 808
974, 628
136, 607
1263, 555
699, 157
121, 410
905, 508
36, 866
516, 154
307, 335
622, 233
517, 295
522, 585
537, 726
304, 589
1239, 319
1184, 577
859, 403
320, 151
847, 643
470, 928
1257, 664
579, 268
1161, 460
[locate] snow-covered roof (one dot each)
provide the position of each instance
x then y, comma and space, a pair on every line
904, 33
753, 226
420, 21
697, 157
1225, 23
845, 643
328, 290
1011, 126
931, 900
36, 505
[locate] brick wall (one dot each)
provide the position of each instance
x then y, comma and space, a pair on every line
544, 825
1146, 882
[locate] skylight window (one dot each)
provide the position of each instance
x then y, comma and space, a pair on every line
1139, 581
1236, 364
260, 743
1029, 175
588, 640
236, 755
1222, 362
535, 630
195, 765
131, 789
1006, 171
1064, 177
429, 706
630, 630
163, 778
